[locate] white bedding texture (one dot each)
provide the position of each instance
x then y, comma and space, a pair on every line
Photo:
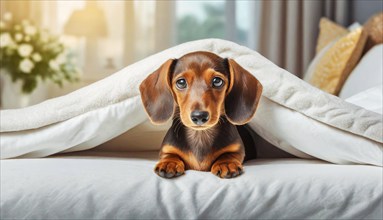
334, 170
101, 185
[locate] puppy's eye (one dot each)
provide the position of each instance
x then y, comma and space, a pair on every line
181, 84
217, 82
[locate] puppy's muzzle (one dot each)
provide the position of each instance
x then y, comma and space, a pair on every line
199, 117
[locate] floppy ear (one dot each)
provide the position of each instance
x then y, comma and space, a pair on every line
243, 94
156, 94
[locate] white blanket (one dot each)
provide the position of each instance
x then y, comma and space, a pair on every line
97, 113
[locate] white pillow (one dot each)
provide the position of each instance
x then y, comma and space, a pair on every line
368, 73
371, 99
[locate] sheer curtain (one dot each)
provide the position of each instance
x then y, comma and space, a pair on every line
22, 9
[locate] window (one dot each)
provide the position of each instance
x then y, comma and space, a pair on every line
231, 20
136, 29
99, 56
182, 21
200, 19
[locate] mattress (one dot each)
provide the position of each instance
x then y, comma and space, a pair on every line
106, 185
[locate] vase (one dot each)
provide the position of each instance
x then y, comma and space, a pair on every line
11, 94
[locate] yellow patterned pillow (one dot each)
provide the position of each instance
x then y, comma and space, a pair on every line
374, 30
331, 67
328, 32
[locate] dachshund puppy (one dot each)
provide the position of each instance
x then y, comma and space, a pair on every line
207, 96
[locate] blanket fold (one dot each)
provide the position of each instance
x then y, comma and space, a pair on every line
120, 93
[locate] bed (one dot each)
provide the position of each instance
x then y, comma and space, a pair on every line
110, 185
91, 158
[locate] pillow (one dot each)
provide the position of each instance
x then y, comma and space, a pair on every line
371, 99
368, 73
374, 30
331, 67
328, 32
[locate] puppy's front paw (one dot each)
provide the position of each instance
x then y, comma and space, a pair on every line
169, 168
227, 169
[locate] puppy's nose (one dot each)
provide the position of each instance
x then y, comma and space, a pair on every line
199, 117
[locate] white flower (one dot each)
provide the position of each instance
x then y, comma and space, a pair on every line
26, 65
25, 50
5, 40
54, 65
7, 16
60, 59
18, 37
31, 30
36, 57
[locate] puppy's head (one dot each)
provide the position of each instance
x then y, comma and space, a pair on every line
204, 86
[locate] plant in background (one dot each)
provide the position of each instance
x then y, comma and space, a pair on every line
29, 53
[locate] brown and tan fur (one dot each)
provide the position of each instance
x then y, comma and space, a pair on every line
214, 144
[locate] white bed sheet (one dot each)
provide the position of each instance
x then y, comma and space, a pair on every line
102, 185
